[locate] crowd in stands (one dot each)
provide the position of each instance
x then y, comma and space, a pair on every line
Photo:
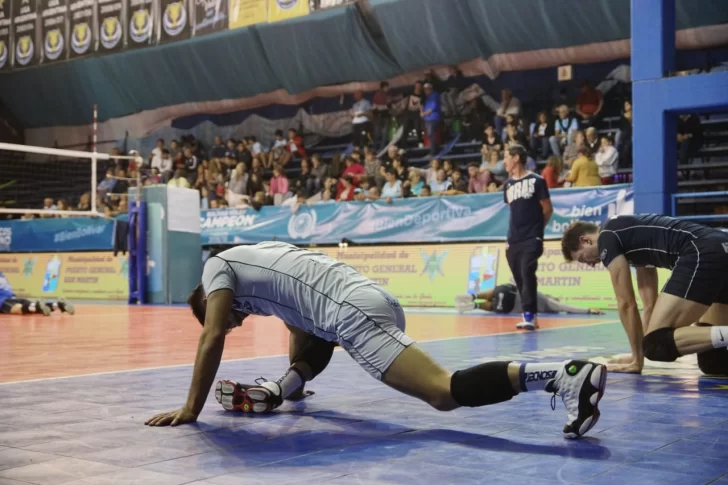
564, 144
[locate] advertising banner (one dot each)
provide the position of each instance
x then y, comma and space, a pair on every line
81, 27
459, 218
112, 20
25, 16
433, 275
175, 20
50, 276
209, 16
37, 235
53, 29
140, 22
6, 23
248, 12
286, 9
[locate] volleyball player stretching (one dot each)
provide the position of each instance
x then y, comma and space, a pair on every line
697, 290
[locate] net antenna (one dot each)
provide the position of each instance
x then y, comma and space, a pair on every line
29, 174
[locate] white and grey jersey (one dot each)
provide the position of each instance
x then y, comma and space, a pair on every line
303, 288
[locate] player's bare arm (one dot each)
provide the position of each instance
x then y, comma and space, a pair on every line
209, 354
628, 314
548, 210
647, 288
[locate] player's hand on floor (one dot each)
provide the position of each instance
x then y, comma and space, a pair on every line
172, 418
595, 311
621, 359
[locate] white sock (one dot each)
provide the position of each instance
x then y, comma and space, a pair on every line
719, 337
290, 381
32, 308
534, 377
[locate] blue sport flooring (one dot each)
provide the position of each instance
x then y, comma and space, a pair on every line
669, 427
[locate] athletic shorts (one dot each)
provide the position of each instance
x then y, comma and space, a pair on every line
8, 305
701, 274
370, 327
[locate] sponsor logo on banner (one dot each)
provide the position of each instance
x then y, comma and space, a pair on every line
5, 26
286, 4
6, 238
436, 217
81, 38
286, 9
24, 50
54, 14
81, 32
111, 24
302, 225
227, 219
174, 19
140, 21
248, 12
210, 15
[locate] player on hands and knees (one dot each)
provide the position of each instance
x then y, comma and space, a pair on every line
697, 290
329, 300
506, 299
527, 195
10, 304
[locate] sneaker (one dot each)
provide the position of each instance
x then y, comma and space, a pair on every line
42, 308
530, 322
66, 307
580, 384
465, 303
259, 398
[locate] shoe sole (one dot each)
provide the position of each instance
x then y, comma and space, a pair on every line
600, 386
251, 401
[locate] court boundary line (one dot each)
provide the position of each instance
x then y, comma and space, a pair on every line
338, 349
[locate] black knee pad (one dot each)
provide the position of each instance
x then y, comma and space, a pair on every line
482, 385
714, 362
316, 352
25, 307
660, 345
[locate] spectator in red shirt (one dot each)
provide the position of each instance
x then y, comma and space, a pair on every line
346, 189
589, 104
478, 181
552, 174
353, 168
294, 147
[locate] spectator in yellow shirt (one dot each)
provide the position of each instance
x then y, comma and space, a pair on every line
584, 171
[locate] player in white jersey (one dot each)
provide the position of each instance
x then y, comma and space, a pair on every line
326, 303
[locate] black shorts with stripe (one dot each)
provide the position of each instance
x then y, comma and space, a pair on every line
701, 273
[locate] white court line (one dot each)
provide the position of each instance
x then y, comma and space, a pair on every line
522, 332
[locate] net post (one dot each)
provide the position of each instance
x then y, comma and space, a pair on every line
94, 163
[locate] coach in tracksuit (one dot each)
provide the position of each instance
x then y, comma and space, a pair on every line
528, 197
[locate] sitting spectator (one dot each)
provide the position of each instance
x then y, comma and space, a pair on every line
573, 148
254, 146
84, 203
255, 184
589, 104
301, 183
399, 170
414, 183
492, 141
190, 162
425, 192
515, 137
106, 185
623, 142
239, 180
607, 160
361, 123
553, 172
448, 168
256, 167
477, 180
689, 137
62, 205
218, 149
431, 116
279, 189
326, 196
591, 139
353, 168
179, 180
346, 189
319, 173
495, 167
458, 185
564, 129
441, 183
277, 150
392, 189
543, 130
241, 154
156, 152
510, 105
122, 184
372, 167
584, 171
374, 193
431, 171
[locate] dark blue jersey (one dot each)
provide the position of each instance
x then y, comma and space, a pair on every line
524, 197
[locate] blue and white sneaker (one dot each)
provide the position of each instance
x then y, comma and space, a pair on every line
581, 385
530, 322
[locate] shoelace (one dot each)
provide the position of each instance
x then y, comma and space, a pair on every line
553, 400
261, 380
